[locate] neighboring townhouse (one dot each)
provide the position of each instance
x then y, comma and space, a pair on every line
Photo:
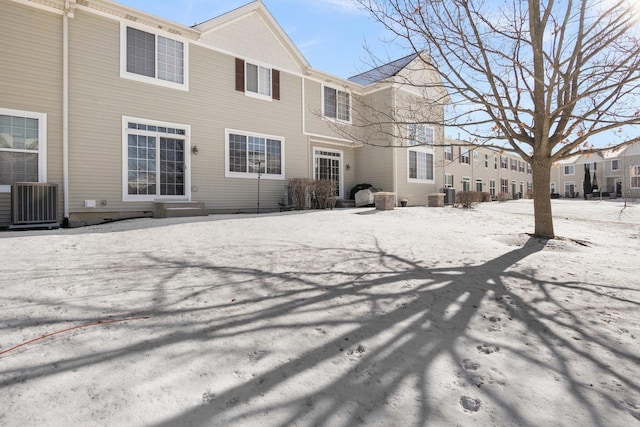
466, 167
123, 110
616, 173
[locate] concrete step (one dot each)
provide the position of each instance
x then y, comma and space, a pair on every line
178, 208
346, 204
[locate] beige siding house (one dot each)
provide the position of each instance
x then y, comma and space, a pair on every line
122, 110
616, 173
466, 167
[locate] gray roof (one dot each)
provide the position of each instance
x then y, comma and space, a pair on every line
382, 72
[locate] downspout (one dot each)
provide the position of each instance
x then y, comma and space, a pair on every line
65, 109
394, 149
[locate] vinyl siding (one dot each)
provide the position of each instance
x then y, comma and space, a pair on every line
31, 70
102, 97
314, 122
375, 158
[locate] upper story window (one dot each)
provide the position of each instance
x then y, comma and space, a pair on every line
419, 134
615, 165
249, 155
23, 138
569, 170
504, 162
256, 80
153, 58
336, 104
514, 164
495, 163
520, 166
486, 161
464, 155
448, 152
529, 168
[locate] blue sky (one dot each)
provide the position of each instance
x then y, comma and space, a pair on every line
331, 34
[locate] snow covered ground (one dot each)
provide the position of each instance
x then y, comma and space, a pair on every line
417, 316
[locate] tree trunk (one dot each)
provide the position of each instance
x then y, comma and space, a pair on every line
541, 169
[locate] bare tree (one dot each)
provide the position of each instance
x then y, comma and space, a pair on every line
539, 78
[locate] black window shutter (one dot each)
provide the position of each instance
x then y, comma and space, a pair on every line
275, 84
239, 74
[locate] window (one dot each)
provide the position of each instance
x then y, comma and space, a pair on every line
528, 168
466, 183
495, 162
569, 170
504, 185
478, 184
448, 152
420, 165
258, 80
418, 134
635, 176
153, 58
23, 137
553, 188
249, 155
328, 165
569, 189
337, 104
448, 180
492, 187
615, 165
503, 162
464, 155
155, 160
529, 186
520, 166
514, 164
486, 161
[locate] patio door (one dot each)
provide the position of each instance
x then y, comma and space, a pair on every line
328, 165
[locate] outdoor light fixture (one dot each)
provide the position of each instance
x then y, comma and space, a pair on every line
194, 150
348, 167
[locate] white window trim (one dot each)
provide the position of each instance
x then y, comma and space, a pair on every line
126, 197
330, 150
258, 95
631, 176
466, 179
336, 119
42, 142
481, 182
427, 150
465, 153
152, 80
419, 144
450, 176
569, 183
253, 175
564, 170
448, 152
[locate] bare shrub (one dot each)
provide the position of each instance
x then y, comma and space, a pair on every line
503, 197
324, 194
468, 199
486, 197
299, 190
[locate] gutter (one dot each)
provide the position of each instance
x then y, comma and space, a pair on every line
68, 12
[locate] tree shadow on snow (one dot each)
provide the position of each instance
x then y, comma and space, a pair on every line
409, 318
